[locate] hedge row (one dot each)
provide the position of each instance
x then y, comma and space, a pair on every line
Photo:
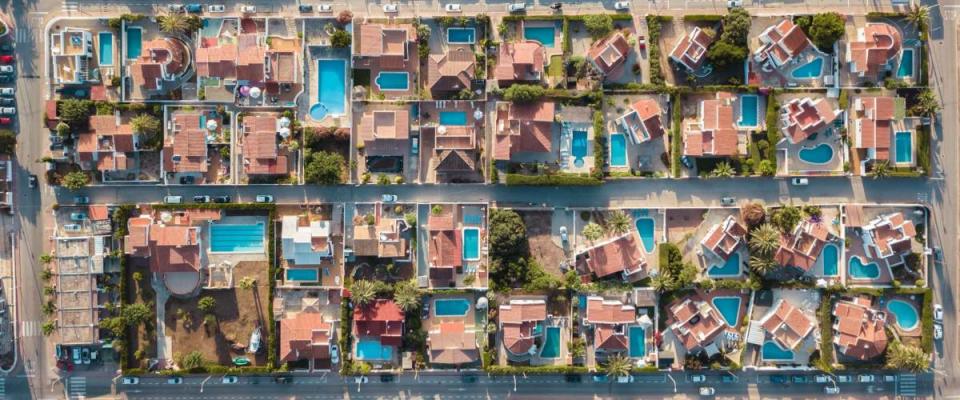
552, 180
703, 18
599, 146
653, 47
676, 141
545, 370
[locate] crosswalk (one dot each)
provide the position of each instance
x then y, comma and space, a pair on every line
76, 387
30, 328
70, 5
3, 388
907, 385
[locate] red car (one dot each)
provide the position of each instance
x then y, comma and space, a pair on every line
6, 59
5, 121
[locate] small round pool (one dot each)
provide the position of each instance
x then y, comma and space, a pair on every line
817, 155
905, 314
858, 270
318, 111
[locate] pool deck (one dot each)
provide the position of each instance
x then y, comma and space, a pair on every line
917, 304
788, 154
804, 299
310, 89
856, 250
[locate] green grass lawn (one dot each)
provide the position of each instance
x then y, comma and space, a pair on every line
555, 69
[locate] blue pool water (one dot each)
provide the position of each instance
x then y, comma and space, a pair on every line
729, 308
812, 69
236, 238
578, 147
904, 147
211, 27
818, 155
731, 267
858, 270
638, 344
458, 118
303, 275
645, 227
393, 81
905, 70
830, 256
543, 34
551, 346
618, 150
461, 35
749, 106
450, 307
906, 314
473, 219
371, 349
471, 244
773, 352
134, 42
105, 42
331, 89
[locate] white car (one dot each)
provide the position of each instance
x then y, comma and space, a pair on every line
7, 91
799, 181
831, 390
516, 7
216, 8
698, 378
175, 7
938, 331
707, 391
334, 354
264, 198
866, 379
821, 379
734, 3
621, 5
324, 8
229, 379
8, 111
388, 198
248, 9
174, 380
361, 379
130, 380
844, 378
6, 69
937, 309
391, 8
453, 8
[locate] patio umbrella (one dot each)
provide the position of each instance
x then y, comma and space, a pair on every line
477, 114
645, 321
442, 129
284, 122
244, 90
284, 132
166, 217
482, 303
211, 125
255, 92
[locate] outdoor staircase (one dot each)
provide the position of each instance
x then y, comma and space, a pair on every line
907, 385
82, 69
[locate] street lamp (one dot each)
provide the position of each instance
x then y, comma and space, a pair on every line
674, 382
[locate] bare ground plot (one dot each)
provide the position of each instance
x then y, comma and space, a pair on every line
682, 224
238, 312
142, 337
541, 241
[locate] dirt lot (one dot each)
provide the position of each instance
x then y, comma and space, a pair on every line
238, 311
540, 240
142, 338
681, 223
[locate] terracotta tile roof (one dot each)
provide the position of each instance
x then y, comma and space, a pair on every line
780, 43
691, 50
517, 321
455, 138
98, 212
451, 72
385, 131
375, 40
304, 336
451, 343
382, 239
524, 128
284, 67
694, 322
873, 128
788, 325
643, 120
251, 57
380, 318
445, 249
875, 46
521, 61
715, 133
609, 53
888, 235
169, 248
725, 238
161, 58
614, 256
802, 117
218, 61
859, 329
260, 153
801, 248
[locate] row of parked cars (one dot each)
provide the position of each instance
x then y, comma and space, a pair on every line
202, 199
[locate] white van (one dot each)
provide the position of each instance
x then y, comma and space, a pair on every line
173, 199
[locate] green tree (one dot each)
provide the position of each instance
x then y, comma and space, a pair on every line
192, 360
753, 214
508, 235
592, 231
407, 295
617, 366
619, 222
926, 104
75, 180
598, 25
722, 170
173, 23
362, 292
660, 282
523, 93
8, 141
767, 168
206, 304
136, 314
63, 130
880, 169
247, 282
137, 276
736, 27
918, 16
722, 54
324, 168
577, 347
906, 357
786, 218
764, 240
48, 327
340, 39
75, 112
115, 325
762, 265
146, 124
826, 29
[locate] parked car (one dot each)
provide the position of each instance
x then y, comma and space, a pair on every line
386, 378
625, 379
600, 378
175, 8
7, 91
821, 379
388, 198
264, 198
799, 181
361, 379
453, 8
6, 48
334, 354
324, 8
734, 3
687, 162
174, 380
516, 7
221, 199
415, 145
573, 378
194, 8
938, 312
866, 378
216, 8
937, 331
7, 59
201, 199
707, 391
725, 378
8, 111
78, 216
844, 378
283, 379
85, 355
32, 180
6, 121
391, 8
698, 378
889, 378
6, 101
621, 5
305, 8
831, 390
173, 199
75, 353
728, 201
130, 380
781, 379
229, 379
798, 379
248, 9
6, 79
425, 310
6, 69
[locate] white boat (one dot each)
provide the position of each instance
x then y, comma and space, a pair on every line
255, 339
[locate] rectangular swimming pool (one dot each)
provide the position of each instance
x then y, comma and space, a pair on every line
105, 48
453, 118
236, 238
904, 147
471, 244
748, 111
578, 147
331, 89
393, 81
546, 35
772, 351
134, 42
370, 349
551, 346
451, 307
905, 70
618, 150
303, 275
461, 35
638, 343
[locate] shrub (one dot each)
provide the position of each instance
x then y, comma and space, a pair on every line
340, 39
523, 93
552, 180
598, 25
75, 180
206, 304
324, 168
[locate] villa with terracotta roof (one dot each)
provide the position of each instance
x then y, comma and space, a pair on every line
261, 155
801, 248
619, 257
387, 237
643, 121
386, 48
875, 121
691, 50
311, 243
307, 336
522, 61
162, 62
172, 251
888, 237
72, 56
445, 249
385, 131
611, 321
609, 53
452, 343
802, 117
725, 238
240, 60
108, 146
521, 325
876, 49
787, 324
523, 128
450, 73
780, 44
858, 331
695, 323
379, 321
451, 255
715, 132
185, 148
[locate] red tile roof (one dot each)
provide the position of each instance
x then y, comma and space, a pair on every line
787, 324
609, 318
694, 322
609, 53
385, 131
380, 318
859, 331
801, 248
873, 129
521, 61
260, 153
805, 116
889, 235
452, 344
524, 128
725, 238
615, 256
169, 248
780, 43
451, 72
691, 50
304, 336
876, 45
161, 58
517, 321
716, 133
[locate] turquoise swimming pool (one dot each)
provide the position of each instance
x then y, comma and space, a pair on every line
236, 238
731, 267
461, 35
331, 89
812, 69
638, 343
578, 147
905, 69
393, 81
453, 118
618, 150
551, 346
905, 314
729, 308
830, 256
450, 307
903, 142
645, 227
211, 27
817, 155
773, 352
858, 270
471, 244
370, 349
749, 108
303, 275
105, 44
134, 42
546, 35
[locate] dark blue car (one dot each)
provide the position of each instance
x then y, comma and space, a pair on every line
193, 8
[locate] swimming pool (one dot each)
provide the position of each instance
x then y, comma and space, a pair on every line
331, 89
211, 27
105, 44
638, 343
461, 35
773, 352
236, 238
450, 307
830, 256
858, 270
905, 313
578, 147
645, 227
731, 267
397, 81
749, 108
905, 70
371, 349
134, 42
471, 244
812, 69
546, 35
729, 308
817, 155
458, 118
303, 275
618, 150
904, 147
551, 346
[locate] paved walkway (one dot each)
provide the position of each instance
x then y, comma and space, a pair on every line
164, 342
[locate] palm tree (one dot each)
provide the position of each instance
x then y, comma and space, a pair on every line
881, 169
174, 23
723, 170
363, 292
762, 265
660, 282
592, 231
619, 223
407, 296
901, 356
918, 16
753, 214
617, 366
764, 240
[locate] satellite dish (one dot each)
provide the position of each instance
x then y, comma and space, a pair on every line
255, 92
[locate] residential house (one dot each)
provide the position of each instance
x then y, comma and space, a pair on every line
801, 248
875, 120
234, 63
858, 331
172, 251
725, 238
260, 153
380, 320
643, 121
306, 336
780, 44
611, 321
108, 144
874, 51
715, 132
691, 50
695, 323
445, 249
609, 53
305, 242
620, 256
802, 117
455, 147
385, 132
522, 61
888, 237
450, 73
161, 63
787, 324
523, 128
185, 147
79, 265
72, 53
385, 238
521, 324
452, 343
384, 47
